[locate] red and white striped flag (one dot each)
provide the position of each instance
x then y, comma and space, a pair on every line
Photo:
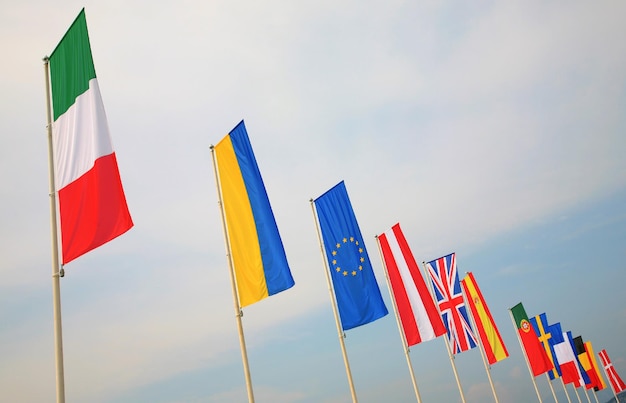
415, 305
616, 382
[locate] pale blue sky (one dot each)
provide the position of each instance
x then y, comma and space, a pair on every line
494, 130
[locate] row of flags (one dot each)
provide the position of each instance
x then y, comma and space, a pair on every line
92, 211
424, 315
355, 291
551, 350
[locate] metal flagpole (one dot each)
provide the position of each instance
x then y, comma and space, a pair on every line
342, 335
551, 388
57, 271
577, 394
565, 389
482, 352
525, 357
446, 340
238, 311
587, 394
400, 329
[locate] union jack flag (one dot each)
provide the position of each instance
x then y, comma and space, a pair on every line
448, 293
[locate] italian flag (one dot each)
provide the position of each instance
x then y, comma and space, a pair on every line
92, 205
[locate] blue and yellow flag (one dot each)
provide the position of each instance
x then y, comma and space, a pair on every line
548, 340
356, 290
256, 248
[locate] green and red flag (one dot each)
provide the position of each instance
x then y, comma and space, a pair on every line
538, 360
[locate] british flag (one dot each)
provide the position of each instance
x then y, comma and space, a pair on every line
447, 289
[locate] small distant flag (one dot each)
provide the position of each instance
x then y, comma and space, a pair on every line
537, 358
447, 289
416, 308
616, 382
546, 338
92, 204
485, 325
600, 384
258, 256
356, 291
571, 370
586, 362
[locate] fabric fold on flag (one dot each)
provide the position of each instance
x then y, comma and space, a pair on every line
356, 291
536, 355
92, 203
616, 381
494, 347
417, 311
447, 290
256, 248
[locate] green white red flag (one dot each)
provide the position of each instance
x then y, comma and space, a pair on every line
92, 204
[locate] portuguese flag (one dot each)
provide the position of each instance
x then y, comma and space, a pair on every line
535, 353
92, 205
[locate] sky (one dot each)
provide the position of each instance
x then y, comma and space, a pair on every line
495, 130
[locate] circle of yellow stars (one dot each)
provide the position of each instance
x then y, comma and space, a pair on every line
344, 242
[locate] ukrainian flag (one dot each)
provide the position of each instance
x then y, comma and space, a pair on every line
258, 256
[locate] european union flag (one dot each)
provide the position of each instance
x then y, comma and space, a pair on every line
356, 290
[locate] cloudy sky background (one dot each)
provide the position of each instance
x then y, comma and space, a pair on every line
496, 131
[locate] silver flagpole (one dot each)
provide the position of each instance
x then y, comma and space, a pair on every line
400, 329
238, 311
56, 270
565, 389
482, 351
577, 395
575, 391
446, 339
587, 394
525, 357
551, 387
334, 304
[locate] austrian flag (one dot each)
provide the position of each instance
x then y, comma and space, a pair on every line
416, 308
92, 205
